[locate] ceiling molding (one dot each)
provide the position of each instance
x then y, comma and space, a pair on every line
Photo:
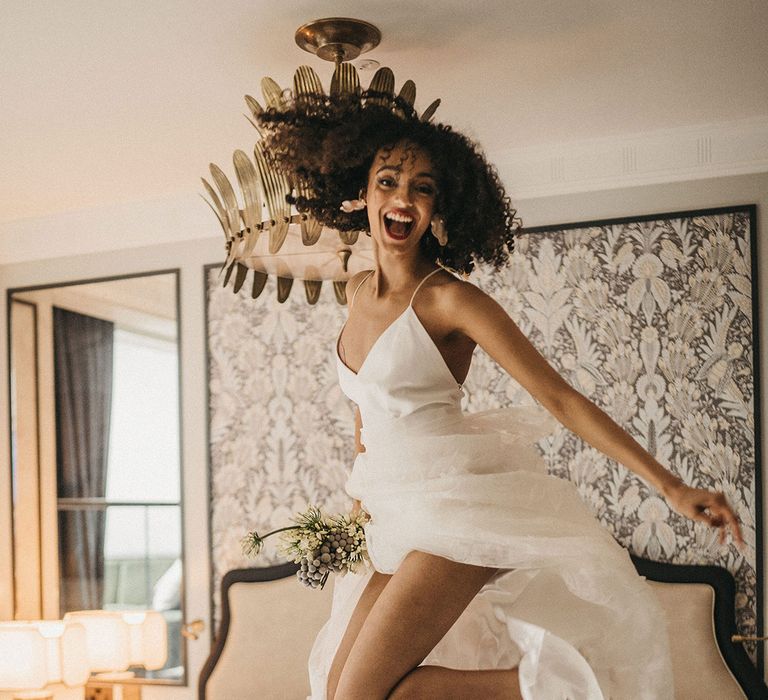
668, 155
657, 157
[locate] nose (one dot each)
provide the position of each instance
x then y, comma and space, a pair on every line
403, 193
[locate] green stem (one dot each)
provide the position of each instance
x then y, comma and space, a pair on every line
282, 529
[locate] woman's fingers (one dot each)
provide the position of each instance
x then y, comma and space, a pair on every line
719, 515
722, 516
709, 507
731, 520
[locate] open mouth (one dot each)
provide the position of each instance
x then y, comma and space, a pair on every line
398, 226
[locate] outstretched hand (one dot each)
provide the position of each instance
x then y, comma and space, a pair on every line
709, 507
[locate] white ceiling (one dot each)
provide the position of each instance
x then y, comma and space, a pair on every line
103, 103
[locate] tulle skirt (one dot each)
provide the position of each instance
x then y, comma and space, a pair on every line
567, 606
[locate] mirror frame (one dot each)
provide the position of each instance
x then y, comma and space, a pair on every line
14, 539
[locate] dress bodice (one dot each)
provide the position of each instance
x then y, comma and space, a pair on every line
403, 373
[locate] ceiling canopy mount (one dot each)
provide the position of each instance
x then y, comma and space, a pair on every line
338, 39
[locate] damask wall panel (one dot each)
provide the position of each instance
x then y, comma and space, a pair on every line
651, 318
281, 431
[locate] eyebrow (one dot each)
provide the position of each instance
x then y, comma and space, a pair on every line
399, 169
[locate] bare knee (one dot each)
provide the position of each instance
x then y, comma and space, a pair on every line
433, 682
352, 685
422, 683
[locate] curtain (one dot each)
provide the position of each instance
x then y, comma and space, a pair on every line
83, 350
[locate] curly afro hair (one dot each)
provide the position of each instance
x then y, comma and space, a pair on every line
326, 146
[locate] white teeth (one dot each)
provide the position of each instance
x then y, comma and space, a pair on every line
399, 217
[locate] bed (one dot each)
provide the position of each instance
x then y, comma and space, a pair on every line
269, 622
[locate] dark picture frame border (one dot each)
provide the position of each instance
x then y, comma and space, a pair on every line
654, 569
751, 211
212, 583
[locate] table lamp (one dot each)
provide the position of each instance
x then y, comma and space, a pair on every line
36, 656
108, 640
148, 633
117, 640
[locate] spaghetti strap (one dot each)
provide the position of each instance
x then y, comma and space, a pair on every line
354, 294
418, 286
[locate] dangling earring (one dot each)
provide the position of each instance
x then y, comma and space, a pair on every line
439, 231
350, 205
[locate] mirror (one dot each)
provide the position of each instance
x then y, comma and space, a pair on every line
95, 443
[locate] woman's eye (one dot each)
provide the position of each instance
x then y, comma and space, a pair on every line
426, 189
386, 181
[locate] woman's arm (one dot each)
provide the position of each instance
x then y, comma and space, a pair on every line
359, 447
483, 320
354, 282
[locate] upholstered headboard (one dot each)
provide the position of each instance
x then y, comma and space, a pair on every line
700, 606
269, 622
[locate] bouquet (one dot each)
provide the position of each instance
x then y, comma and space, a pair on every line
319, 544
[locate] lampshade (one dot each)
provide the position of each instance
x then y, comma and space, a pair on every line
328, 258
37, 653
148, 638
264, 234
107, 638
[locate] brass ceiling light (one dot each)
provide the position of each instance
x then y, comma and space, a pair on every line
266, 235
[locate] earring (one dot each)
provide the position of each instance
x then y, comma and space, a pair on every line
439, 231
350, 205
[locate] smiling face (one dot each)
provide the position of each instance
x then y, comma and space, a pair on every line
401, 196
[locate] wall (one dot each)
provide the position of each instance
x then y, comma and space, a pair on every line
191, 256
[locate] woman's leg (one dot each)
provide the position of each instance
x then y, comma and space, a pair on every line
430, 682
371, 592
419, 604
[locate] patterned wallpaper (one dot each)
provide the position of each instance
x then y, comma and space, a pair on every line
651, 319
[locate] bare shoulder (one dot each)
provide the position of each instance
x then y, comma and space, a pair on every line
357, 278
457, 297
482, 319
355, 281
476, 314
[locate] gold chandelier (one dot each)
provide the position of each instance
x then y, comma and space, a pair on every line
266, 235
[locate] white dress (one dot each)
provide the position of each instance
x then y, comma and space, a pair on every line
568, 607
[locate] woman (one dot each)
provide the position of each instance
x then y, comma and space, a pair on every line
492, 579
